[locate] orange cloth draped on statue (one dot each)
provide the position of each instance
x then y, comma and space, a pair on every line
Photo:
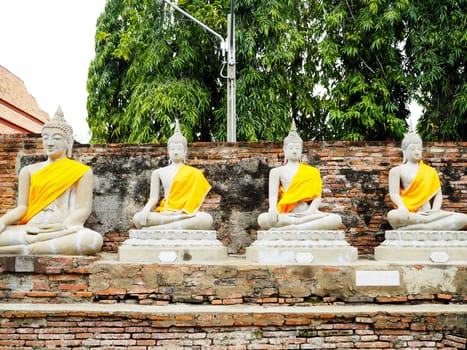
187, 192
306, 185
50, 182
422, 188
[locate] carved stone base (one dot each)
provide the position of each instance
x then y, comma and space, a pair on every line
423, 246
171, 246
301, 247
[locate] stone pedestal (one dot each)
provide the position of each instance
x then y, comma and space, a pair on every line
301, 247
423, 246
171, 246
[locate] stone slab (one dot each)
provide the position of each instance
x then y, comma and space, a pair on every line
313, 237
337, 310
301, 247
423, 246
171, 254
301, 255
172, 246
426, 239
171, 235
421, 254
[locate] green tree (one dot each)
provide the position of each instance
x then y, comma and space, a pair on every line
278, 70
152, 64
342, 69
150, 67
366, 91
436, 51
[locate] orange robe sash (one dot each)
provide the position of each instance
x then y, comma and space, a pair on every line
306, 185
187, 192
422, 188
50, 182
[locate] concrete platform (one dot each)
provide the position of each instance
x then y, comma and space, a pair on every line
338, 310
423, 246
106, 279
301, 247
172, 246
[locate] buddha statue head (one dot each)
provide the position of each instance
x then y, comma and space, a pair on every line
293, 136
177, 143
293, 144
410, 138
58, 122
177, 136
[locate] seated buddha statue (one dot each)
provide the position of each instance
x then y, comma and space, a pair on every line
415, 190
54, 201
184, 189
295, 193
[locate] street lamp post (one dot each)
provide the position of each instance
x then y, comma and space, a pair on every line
228, 53
231, 83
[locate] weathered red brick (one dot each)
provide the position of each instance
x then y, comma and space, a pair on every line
112, 291
396, 299
372, 345
454, 344
457, 339
297, 321
41, 294
442, 296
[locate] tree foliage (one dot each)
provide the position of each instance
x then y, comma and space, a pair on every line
436, 52
342, 69
151, 67
278, 65
362, 68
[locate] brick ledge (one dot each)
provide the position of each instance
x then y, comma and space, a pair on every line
336, 310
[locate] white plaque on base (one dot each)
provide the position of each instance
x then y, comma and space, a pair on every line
377, 278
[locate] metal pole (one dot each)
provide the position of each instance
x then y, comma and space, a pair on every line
221, 39
231, 80
229, 46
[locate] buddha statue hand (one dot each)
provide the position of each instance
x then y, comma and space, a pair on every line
31, 238
141, 218
273, 216
311, 215
429, 212
34, 230
404, 214
49, 231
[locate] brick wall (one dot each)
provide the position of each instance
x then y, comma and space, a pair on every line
354, 182
99, 303
105, 280
231, 328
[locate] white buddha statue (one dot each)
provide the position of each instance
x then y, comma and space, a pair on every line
184, 190
54, 201
415, 190
295, 194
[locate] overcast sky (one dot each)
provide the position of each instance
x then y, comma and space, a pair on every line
49, 44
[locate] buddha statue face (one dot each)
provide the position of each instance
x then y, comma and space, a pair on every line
412, 148
55, 143
413, 153
293, 145
177, 145
177, 152
57, 132
293, 151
